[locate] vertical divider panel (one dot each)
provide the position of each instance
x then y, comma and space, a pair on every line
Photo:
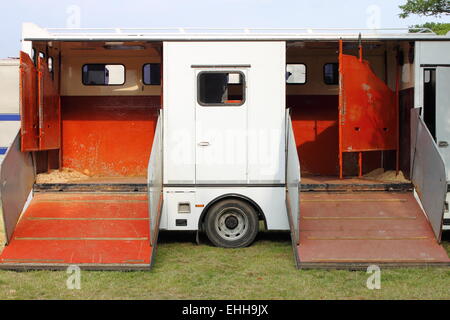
29, 109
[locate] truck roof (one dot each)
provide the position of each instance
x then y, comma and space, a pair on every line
32, 32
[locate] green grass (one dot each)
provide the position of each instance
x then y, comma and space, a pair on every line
184, 270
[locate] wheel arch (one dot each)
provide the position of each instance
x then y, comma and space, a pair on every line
238, 196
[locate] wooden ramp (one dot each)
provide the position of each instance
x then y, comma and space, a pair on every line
357, 229
93, 231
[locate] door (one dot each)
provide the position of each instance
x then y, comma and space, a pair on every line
29, 111
39, 105
49, 108
443, 114
221, 126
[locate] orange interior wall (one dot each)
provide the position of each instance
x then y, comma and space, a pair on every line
315, 124
108, 136
314, 120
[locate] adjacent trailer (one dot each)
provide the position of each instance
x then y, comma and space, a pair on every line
330, 136
9, 103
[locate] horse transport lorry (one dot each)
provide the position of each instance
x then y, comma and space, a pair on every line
340, 137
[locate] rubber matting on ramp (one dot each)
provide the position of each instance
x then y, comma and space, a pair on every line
358, 229
97, 231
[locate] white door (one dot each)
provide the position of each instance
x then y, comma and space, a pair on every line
443, 114
221, 125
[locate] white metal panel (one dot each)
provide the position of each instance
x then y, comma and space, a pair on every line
428, 53
434, 52
8, 131
443, 114
172, 199
266, 114
221, 139
155, 183
265, 67
293, 182
179, 115
33, 32
270, 200
9, 89
428, 173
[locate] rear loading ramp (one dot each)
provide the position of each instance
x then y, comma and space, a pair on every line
353, 223
93, 231
92, 228
350, 230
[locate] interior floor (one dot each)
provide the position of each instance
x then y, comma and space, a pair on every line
308, 179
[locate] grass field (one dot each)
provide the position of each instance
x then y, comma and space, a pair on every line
184, 270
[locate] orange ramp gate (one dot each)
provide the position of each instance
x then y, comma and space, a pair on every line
95, 231
368, 110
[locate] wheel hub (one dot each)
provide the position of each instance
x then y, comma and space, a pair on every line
231, 222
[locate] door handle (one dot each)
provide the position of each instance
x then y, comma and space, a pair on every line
203, 144
443, 144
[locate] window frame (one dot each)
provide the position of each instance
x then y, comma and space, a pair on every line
160, 74
244, 86
323, 74
105, 85
306, 74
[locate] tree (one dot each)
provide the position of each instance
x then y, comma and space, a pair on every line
435, 8
425, 8
438, 28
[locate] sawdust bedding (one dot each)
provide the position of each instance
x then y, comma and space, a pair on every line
61, 176
389, 176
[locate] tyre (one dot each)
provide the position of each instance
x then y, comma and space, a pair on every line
232, 223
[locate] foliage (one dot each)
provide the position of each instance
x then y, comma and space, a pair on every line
425, 8
438, 28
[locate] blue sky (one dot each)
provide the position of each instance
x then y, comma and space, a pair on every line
200, 13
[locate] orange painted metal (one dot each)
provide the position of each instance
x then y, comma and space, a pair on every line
368, 113
108, 136
49, 109
368, 110
341, 106
29, 104
84, 229
363, 228
314, 122
39, 107
397, 108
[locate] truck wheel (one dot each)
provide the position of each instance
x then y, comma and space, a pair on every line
232, 223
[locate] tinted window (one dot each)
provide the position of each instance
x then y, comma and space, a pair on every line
103, 74
152, 74
331, 73
221, 88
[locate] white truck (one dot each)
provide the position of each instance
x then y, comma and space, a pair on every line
222, 132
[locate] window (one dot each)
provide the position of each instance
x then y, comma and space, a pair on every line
295, 73
221, 88
103, 74
331, 73
151, 74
